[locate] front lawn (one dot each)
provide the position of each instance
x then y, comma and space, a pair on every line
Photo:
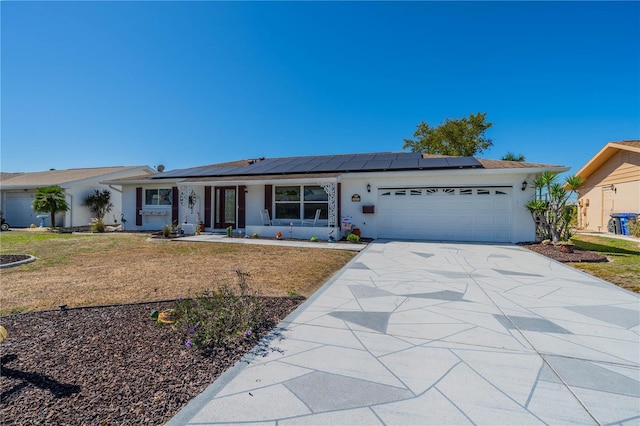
623, 268
117, 268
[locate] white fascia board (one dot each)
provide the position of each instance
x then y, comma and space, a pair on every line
458, 172
265, 181
165, 182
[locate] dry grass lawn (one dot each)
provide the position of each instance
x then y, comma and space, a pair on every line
102, 269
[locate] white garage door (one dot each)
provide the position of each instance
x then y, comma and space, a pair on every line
17, 209
447, 214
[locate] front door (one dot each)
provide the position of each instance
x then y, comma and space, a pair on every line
225, 207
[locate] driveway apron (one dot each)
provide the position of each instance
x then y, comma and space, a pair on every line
442, 333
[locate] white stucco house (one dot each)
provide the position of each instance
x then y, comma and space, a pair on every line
398, 195
17, 191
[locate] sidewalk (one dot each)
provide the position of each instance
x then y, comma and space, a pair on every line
441, 333
221, 238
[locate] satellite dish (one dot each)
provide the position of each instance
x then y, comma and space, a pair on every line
160, 168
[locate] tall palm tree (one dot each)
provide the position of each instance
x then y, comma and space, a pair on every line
51, 200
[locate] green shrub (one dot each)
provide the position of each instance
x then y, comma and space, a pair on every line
634, 227
166, 231
220, 317
97, 225
353, 238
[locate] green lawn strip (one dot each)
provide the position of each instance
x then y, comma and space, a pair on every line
623, 268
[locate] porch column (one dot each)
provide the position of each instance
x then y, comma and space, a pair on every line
332, 190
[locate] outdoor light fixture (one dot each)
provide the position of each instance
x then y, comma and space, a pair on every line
524, 185
368, 187
246, 190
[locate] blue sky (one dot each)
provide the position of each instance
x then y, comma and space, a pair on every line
87, 84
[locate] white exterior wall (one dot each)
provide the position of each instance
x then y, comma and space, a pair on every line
522, 226
254, 204
150, 222
79, 214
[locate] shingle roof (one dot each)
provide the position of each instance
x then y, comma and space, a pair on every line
504, 164
6, 176
60, 177
629, 144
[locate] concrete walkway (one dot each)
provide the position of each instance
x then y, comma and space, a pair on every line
219, 238
415, 333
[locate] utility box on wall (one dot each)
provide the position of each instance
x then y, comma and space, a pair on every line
368, 209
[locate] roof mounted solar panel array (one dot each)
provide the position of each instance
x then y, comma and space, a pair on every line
329, 163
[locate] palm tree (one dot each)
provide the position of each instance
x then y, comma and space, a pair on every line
510, 156
549, 212
51, 200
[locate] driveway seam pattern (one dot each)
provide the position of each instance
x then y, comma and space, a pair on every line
441, 333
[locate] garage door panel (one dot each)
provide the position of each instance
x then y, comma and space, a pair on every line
473, 214
17, 210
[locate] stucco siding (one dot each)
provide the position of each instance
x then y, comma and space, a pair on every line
522, 226
612, 188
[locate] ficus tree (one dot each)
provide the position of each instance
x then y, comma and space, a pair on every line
50, 200
460, 136
549, 207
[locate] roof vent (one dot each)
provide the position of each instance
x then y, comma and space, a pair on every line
160, 168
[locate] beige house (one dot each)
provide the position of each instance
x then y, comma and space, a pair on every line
612, 185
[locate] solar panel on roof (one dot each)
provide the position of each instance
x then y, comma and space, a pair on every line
385, 157
355, 165
377, 164
404, 164
463, 162
432, 163
327, 163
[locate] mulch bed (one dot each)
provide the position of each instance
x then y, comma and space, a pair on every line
554, 252
12, 258
109, 365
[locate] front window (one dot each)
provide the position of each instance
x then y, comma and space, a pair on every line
300, 202
158, 197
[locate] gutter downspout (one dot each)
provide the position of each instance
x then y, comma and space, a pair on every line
70, 210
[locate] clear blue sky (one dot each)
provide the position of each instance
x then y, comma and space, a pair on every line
87, 84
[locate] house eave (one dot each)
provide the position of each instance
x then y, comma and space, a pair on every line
608, 151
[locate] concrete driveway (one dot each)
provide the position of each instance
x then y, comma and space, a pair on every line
442, 333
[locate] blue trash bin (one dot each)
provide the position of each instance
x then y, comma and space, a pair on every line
624, 219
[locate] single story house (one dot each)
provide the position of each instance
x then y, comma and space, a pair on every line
612, 185
17, 192
399, 195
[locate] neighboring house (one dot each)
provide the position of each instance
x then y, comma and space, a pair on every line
385, 195
17, 191
612, 185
